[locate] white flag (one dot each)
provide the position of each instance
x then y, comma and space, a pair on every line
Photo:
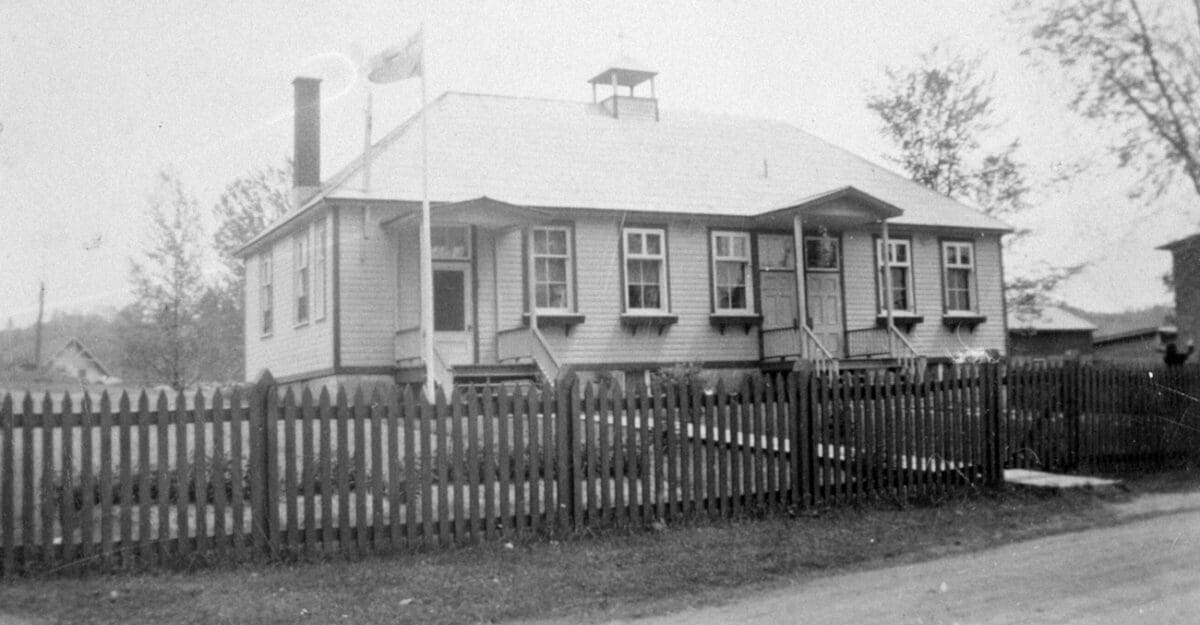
398, 62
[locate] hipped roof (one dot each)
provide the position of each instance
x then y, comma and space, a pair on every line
560, 154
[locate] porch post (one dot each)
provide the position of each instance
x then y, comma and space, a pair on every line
801, 302
531, 281
887, 286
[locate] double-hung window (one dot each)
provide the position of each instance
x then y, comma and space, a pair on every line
301, 276
645, 270
733, 290
552, 269
266, 295
320, 260
900, 263
958, 267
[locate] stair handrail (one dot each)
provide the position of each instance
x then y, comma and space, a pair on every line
907, 355
544, 356
821, 358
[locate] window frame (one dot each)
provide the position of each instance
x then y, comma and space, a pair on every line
971, 292
568, 259
664, 298
301, 277
266, 293
909, 281
747, 271
320, 253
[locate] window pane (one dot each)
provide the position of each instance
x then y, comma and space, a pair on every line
650, 296
634, 242
775, 252
899, 288
449, 242
557, 296
539, 241
650, 271
557, 269
634, 296
557, 242
964, 255
633, 272
653, 244
722, 246
821, 253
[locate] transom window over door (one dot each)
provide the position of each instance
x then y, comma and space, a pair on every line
958, 262
900, 261
645, 269
552, 268
732, 280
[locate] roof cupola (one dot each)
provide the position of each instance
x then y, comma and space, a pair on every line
628, 73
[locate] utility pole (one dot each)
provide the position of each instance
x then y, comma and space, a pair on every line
37, 347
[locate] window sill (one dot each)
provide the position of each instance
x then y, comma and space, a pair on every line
955, 320
267, 335
659, 321
725, 319
566, 321
903, 320
302, 324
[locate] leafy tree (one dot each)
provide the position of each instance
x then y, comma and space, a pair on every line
245, 208
1134, 66
939, 113
161, 326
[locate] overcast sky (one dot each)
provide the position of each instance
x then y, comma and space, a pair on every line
97, 97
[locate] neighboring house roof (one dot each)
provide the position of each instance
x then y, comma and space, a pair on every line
1178, 243
1138, 334
562, 154
1047, 319
73, 346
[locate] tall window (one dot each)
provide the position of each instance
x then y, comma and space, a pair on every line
266, 295
900, 259
645, 270
301, 284
959, 268
320, 260
732, 287
552, 268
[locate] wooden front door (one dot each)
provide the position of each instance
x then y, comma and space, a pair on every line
823, 290
453, 333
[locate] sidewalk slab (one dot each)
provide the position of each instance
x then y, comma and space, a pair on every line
1041, 479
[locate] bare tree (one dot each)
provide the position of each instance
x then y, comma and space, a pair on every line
1134, 65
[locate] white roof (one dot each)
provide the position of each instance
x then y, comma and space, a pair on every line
1047, 319
551, 153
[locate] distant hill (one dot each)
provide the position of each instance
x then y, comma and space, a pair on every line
97, 332
1113, 323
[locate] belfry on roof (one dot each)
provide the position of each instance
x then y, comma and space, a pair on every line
629, 73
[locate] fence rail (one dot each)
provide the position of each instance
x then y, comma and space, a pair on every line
133, 481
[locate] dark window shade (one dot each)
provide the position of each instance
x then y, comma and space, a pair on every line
448, 302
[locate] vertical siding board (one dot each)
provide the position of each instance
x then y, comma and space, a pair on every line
8, 564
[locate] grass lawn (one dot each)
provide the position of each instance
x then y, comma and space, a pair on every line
585, 578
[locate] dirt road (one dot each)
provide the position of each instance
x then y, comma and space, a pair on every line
1146, 570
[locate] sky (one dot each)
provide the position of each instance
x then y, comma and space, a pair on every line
97, 98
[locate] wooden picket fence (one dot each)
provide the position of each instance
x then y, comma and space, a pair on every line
130, 482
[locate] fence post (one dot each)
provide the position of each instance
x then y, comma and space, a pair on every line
262, 463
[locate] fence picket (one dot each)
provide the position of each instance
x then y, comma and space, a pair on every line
459, 481
504, 481
589, 478
50, 500
362, 481
238, 455
8, 542
533, 446
396, 490
291, 482
309, 530
106, 480
488, 397
200, 474
342, 416
378, 484
604, 443
220, 473
441, 417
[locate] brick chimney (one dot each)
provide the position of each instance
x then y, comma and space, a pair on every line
306, 176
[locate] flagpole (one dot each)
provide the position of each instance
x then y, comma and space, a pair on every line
426, 242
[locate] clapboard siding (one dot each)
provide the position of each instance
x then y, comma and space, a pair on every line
509, 282
409, 285
930, 338
602, 339
290, 349
368, 290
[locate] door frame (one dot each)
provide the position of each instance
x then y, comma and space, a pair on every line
468, 265
841, 272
